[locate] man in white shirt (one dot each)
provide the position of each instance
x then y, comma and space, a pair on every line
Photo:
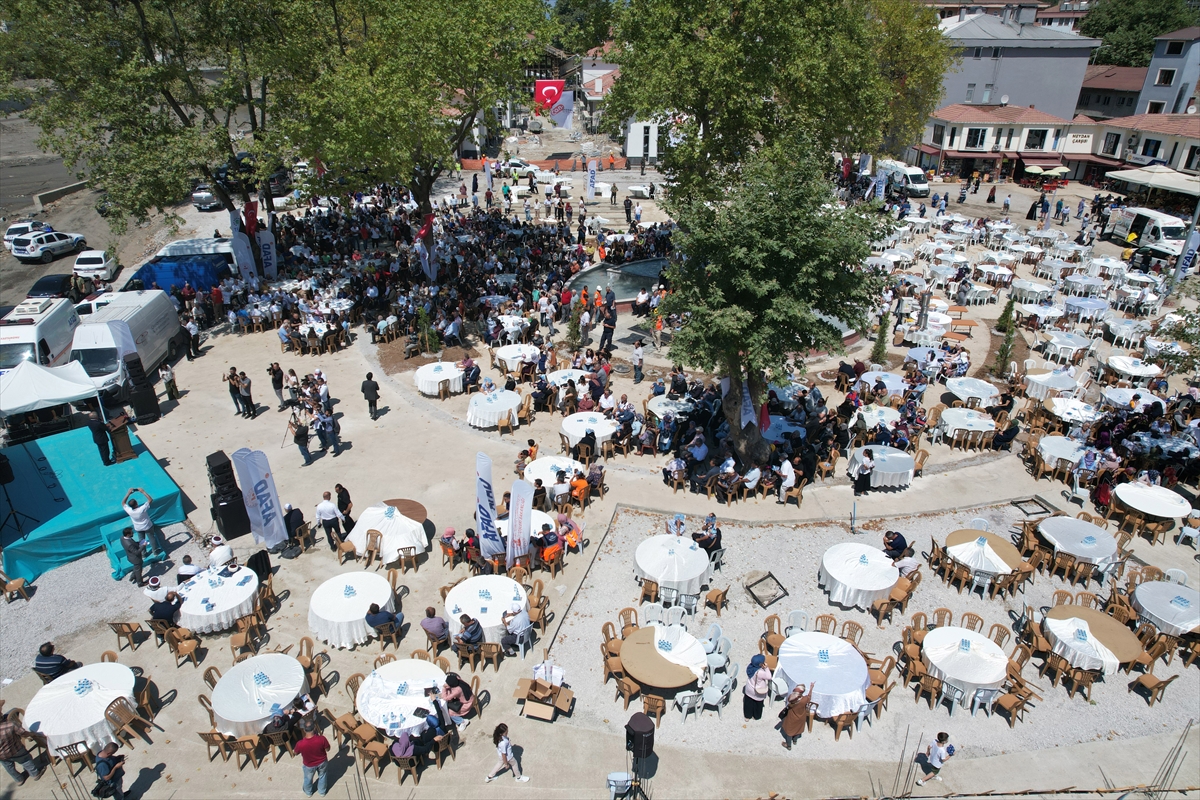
516, 621
193, 342
637, 361
906, 563
787, 475
186, 570
328, 516
140, 516
155, 590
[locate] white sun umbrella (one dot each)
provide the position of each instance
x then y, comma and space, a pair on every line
1034, 170
1056, 171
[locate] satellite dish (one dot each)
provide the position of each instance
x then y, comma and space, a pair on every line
1190, 110
1004, 100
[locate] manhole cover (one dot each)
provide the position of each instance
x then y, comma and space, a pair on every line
621, 368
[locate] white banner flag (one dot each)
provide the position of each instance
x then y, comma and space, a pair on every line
260, 497
487, 171
749, 416
490, 543
591, 190
266, 246
520, 519
1188, 257
563, 111
243, 256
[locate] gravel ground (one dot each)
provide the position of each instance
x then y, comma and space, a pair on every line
26, 626
796, 551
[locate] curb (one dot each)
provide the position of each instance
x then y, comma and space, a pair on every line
42, 198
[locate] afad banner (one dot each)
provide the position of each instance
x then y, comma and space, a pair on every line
266, 246
260, 496
520, 521
490, 543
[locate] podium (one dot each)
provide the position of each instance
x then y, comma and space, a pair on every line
118, 429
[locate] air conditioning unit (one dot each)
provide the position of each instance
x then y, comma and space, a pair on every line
995, 148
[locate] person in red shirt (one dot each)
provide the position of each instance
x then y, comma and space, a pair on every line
218, 299
312, 749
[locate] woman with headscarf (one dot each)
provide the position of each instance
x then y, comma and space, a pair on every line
458, 698
569, 532
758, 683
862, 479
794, 718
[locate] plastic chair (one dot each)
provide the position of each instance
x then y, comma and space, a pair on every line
688, 702
797, 621
652, 613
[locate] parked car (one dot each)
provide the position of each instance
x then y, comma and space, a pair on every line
97, 265
518, 166
60, 285
22, 227
280, 183
1156, 257
45, 246
204, 199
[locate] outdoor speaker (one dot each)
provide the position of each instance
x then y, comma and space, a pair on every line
145, 404
230, 516
6, 473
639, 735
133, 366
219, 464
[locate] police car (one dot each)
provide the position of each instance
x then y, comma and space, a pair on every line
45, 246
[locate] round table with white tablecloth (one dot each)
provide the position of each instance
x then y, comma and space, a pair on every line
876, 415
993, 272
1040, 382
1087, 542
488, 408
1043, 313
966, 388
920, 356
1085, 307
510, 356
398, 531
1127, 328
577, 425
485, 598
1030, 290
1173, 608
673, 562
1174, 446
1065, 343
1052, 448
856, 574
663, 405
1089, 639
983, 551
494, 300
1071, 410
1133, 367
1155, 347
964, 659
892, 467
250, 693
1120, 397
780, 427
536, 520
389, 696
547, 468
429, 376
836, 670
968, 419
512, 323
1083, 284
1156, 501
71, 707
559, 379
337, 609
894, 383
215, 600
319, 328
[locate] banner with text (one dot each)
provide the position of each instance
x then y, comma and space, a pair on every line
243, 256
260, 496
266, 247
593, 165
490, 543
520, 519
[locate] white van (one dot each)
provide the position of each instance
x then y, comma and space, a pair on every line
40, 329
143, 322
1151, 227
904, 176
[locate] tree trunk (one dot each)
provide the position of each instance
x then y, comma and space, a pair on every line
747, 442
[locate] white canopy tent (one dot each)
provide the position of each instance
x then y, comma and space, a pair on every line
30, 386
1156, 176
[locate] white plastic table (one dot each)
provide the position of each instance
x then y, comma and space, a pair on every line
674, 562
250, 693
1073, 639
1052, 448
1068, 409
398, 531
337, 609
1030, 290
1085, 307
510, 356
1157, 501
958, 419
1121, 397
1064, 343
894, 383
964, 659
856, 574
662, 405
71, 708
1155, 347
1133, 367
429, 376
876, 415
1087, 542
547, 468
577, 425
840, 675
1039, 383
390, 695
966, 388
485, 598
892, 467
1172, 607
486, 409
214, 602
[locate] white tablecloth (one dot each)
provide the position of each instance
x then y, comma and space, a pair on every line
674, 562
1173, 608
1031, 290
1157, 501
780, 427
1085, 541
548, 467
662, 405
337, 609
841, 679
576, 425
1068, 409
1039, 386
214, 602
1156, 346
1085, 307
512, 323
560, 377
252, 692
1043, 313
511, 355
678, 646
957, 419
965, 388
894, 383
67, 711
398, 531
1128, 328
392, 692
876, 415
485, 410
892, 467
429, 376
856, 574
979, 556
982, 666
1086, 652
465, 598
536, 520
1120, 397
1052, 448
1066, 343
1133, 367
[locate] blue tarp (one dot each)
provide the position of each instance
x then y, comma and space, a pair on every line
202, 271
63, 485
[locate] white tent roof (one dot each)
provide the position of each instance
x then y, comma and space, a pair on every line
1157, 176
30, 386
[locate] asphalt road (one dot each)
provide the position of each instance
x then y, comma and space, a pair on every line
19, 182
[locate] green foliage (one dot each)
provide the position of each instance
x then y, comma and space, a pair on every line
1128, 27
1006, 316
426, 333
735, 75
583, 24
879, 351
1004, 353
574, 335
1186, 332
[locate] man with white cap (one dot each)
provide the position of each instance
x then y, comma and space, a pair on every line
516, 621
221, 555
155, 590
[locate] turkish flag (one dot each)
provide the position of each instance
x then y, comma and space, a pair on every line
426, 229
547, 93
250, 215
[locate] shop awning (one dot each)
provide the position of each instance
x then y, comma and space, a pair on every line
1041, 161
927, 149
1092, 159
981, 154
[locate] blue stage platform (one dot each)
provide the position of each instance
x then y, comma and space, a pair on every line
61, 482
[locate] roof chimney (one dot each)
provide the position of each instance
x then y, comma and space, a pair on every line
962, 13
